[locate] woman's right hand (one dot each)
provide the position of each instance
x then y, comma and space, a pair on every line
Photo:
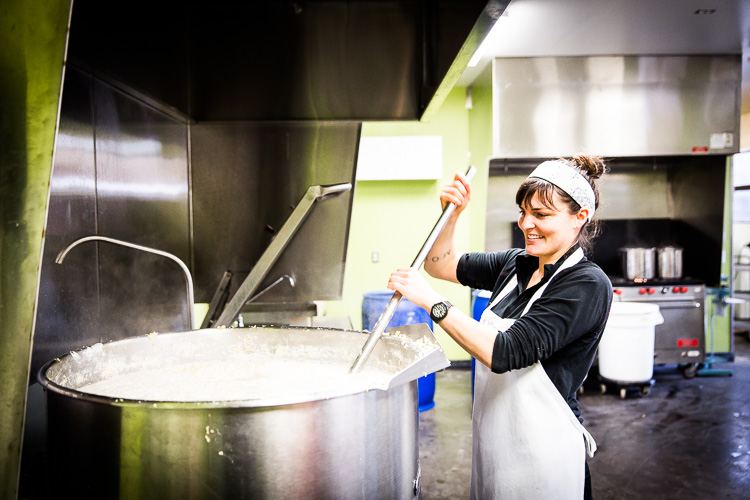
457, 192
442, 260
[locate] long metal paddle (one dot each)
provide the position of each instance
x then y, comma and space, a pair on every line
390, 308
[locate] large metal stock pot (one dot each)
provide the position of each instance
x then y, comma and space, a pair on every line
340, 444
670, 262
638, 262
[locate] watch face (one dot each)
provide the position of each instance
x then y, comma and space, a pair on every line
439, 311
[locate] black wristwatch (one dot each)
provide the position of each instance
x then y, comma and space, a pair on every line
440, 310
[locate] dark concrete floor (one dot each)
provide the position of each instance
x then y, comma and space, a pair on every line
687, 438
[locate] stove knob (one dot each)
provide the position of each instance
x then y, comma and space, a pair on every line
676, 289
665, 290
684, 289
651, 291
643, 291
617, 291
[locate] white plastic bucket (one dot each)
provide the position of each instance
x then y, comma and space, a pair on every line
626, 351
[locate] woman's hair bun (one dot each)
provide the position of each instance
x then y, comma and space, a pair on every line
592, 166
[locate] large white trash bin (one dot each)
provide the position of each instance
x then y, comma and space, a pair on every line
626, 351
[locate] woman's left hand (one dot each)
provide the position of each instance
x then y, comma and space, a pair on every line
410, 283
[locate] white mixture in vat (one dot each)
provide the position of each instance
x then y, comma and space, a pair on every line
245, 377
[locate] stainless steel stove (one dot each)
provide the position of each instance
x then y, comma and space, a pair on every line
681, 338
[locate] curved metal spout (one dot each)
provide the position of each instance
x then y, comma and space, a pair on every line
188, 277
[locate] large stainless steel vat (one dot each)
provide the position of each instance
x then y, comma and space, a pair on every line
336, 445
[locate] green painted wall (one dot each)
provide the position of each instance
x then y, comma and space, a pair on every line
394, 218
32, 48
722, 324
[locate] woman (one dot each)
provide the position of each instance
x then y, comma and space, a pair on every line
537, 338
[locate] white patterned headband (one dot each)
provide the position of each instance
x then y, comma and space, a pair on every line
569, 180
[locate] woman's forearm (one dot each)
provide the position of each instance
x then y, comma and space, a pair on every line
442, 260
475, 338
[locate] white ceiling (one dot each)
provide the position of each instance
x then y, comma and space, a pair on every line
534, 28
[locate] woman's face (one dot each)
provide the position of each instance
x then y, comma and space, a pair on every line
548, 232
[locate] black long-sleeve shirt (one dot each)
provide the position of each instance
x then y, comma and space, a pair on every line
562, 328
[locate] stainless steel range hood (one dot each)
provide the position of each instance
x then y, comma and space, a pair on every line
272, 60
616, 105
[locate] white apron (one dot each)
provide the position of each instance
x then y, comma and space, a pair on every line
527, 443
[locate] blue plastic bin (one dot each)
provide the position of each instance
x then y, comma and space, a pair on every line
407, 313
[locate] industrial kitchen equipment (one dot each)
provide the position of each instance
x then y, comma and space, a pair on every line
225, 396
681, 338
260, 437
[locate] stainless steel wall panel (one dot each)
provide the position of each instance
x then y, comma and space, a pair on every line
247, 179
615, 105
142, 189
68, 311
120, 171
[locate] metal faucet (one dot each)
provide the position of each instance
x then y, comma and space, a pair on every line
188, 277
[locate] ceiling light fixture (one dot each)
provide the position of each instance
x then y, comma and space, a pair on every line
704, 12
488, 41
476, 57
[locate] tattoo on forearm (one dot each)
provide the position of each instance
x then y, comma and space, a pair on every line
435, 258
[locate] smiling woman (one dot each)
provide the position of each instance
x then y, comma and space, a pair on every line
537, 338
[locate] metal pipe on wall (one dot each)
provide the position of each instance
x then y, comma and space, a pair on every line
188, 278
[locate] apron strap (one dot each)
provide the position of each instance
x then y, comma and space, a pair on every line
571, 261
505, 291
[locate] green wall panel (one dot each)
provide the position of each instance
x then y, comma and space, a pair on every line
32, 48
